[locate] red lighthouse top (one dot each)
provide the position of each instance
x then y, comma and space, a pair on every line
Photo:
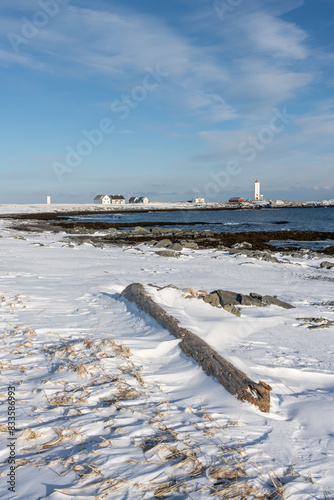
256, 180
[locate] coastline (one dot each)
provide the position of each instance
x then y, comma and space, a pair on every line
89, 208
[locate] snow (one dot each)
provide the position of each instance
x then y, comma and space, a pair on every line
95, 378
154, 205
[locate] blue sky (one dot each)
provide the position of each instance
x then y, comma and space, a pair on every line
167, 99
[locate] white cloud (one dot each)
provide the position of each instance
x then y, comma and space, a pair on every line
274, 37
264, 82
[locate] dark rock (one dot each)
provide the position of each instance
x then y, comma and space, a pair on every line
232, 309
246, 300
268, 300
212, 299
189, 244
162, 243
227, 298
325, 264
256, 296
175, 246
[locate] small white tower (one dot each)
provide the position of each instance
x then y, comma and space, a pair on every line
257, 190
48, 200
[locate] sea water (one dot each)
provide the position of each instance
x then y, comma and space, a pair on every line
264, 219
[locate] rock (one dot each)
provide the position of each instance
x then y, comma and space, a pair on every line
256, 296
247, 300
244, 244
159, 230
232, 309
212, 299
162, 243
140, 230
175, 246
325, 264
227, 298
189, 244
167, 253
267, 257
268, 300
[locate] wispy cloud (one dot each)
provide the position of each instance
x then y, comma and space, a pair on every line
272, 36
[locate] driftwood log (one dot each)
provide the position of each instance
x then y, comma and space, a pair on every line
235, 381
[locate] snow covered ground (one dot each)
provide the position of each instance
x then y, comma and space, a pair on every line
107, 405
154, 205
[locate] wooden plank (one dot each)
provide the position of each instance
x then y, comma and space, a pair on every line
234, 380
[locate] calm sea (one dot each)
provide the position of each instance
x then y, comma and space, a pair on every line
279, 219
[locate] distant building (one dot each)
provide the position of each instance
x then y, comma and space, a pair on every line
236, 199
257, 191
102, 199
141, 199
117, 199
198, 200
48, 200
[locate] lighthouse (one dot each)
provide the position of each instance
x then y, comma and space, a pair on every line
257, 190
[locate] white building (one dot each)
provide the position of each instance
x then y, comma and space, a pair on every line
142, 199
258, 195
102, 199
198, 200
116, 199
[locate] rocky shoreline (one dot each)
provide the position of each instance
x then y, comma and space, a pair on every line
170, 240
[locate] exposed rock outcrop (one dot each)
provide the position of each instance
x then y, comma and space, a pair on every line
231, 300
325, 264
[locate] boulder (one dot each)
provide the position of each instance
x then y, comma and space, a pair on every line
162, 243
268, 300
325, 264
244, 244
267, 257
227, 298
140, 230
190, 244
246, 300
167, 253
175, 246
232, 309
159, 230
212, 299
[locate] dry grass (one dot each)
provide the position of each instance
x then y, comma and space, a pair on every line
29, 434
66, 401
168, 487
192, 293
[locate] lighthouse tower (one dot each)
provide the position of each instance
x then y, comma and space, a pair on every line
257, 190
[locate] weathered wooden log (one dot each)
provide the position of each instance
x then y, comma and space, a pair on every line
235, 381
